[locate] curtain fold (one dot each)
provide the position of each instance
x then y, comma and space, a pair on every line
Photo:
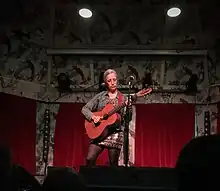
218, 120
162, 130
70, 139
18, 129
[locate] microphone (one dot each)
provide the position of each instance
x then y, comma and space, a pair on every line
102, 84
102, 87
131, 78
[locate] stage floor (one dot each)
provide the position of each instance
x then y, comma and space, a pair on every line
130, 178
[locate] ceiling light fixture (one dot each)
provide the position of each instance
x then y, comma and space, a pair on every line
85, 13
173, 12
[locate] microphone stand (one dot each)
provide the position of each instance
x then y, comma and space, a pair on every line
126, 129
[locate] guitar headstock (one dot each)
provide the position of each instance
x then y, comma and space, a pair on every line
144, 92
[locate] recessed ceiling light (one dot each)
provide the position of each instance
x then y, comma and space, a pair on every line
85, 13
173, 12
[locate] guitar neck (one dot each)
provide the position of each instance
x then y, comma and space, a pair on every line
116, 109
133, 98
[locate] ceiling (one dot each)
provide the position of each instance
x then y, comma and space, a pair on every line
19, 12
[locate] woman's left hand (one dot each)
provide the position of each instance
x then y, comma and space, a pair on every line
130, 101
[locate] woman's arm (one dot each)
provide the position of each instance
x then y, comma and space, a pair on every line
90, 107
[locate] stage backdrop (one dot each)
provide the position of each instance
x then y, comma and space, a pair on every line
160, 132
18, 129
18, 115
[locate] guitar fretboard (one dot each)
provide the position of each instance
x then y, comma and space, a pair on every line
116, 109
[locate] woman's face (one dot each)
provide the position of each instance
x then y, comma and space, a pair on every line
111, 81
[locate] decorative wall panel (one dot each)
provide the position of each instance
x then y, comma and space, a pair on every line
40, 165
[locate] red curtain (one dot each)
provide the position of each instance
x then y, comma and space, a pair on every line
218, 120
161, 132
18, 129
70, 139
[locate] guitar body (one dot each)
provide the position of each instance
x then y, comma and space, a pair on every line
95, 130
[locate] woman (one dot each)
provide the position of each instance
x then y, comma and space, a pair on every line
114, 141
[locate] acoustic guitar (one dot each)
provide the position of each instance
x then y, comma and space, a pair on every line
108, 117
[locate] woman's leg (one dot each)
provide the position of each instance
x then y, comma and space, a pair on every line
93, 153
113, 155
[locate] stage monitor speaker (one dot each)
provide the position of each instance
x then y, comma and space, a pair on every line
51, 169
63, 178
199, 158
129, 178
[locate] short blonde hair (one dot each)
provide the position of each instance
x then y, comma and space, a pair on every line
107, 72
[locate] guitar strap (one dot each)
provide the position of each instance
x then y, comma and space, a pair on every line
120, 98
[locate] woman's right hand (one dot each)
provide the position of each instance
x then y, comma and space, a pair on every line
96, 119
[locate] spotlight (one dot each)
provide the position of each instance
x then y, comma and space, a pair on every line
147, 80
85, 13
63, 83
101, 82
173, 12
191, 85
